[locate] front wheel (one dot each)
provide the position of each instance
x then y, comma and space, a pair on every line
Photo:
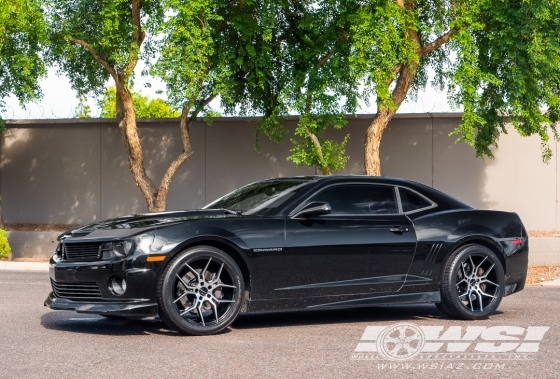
472, 284
200, 292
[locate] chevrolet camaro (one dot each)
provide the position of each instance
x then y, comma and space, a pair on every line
293, 243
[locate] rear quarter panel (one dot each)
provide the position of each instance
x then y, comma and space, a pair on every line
440, 234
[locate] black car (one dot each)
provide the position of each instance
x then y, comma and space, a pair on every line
294, 243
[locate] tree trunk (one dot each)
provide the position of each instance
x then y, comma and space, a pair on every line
372, 161
374, 133
184, 125
156, 198
126, 117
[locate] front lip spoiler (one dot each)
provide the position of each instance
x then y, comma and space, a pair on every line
125, 309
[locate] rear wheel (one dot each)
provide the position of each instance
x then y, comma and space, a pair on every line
200, 291
472, 283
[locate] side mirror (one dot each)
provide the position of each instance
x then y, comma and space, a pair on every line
315, 208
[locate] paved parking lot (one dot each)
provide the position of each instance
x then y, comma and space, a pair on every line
36, 342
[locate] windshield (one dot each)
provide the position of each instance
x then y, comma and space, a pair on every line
259, 196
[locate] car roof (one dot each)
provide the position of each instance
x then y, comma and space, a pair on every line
438, 197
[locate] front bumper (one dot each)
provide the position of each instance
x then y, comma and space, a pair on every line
138, 301
125, 309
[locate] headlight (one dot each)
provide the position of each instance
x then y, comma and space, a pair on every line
57, 257
118, 249
143, 242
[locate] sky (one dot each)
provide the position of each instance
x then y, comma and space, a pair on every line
60, 101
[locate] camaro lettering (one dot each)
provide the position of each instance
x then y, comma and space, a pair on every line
269, 249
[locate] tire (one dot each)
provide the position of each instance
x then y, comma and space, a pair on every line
472, 285
443, 309
200, 292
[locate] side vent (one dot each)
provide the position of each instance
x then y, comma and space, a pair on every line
431, 258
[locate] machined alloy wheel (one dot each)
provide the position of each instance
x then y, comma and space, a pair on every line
201, 291
472, 283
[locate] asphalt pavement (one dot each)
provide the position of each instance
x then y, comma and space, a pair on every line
36, 342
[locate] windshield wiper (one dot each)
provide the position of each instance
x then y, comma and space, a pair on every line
230, 212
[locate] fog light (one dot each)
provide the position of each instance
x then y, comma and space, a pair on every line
117, 286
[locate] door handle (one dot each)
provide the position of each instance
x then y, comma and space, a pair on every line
398, 229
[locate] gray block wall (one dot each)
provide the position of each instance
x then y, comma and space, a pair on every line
32, 244
76, 171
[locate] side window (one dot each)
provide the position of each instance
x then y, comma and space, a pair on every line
359, 199
411, 201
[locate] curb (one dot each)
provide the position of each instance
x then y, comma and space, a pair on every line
24, 266
552, 283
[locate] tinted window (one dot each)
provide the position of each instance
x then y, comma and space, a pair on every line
412, 201
359, 199
264, 194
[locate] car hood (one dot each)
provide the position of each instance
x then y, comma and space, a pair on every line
123, 225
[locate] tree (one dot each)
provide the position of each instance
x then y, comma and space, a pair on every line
316, 51
215, 49
144, 107
181, 42
94, 41
83, 110
300, 66
22, 32
497, 59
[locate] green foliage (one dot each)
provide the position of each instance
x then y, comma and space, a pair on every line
296, 62
22, 33
106, 26
502, 61
326, 155
498, 60
5, 249
186, 54
144, 107
83, 110
508, 67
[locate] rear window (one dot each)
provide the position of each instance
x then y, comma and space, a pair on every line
411, 201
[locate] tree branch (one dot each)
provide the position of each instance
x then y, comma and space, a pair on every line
192, 118
324, 59
96, 56
138, 38
437, 43
324, 168
139, 34
166, 180
328, 56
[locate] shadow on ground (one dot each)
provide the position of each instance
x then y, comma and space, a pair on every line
92, 324
400, 313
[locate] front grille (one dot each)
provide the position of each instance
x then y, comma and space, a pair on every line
76, 290
81, 251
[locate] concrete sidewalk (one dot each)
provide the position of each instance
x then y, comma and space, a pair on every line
24, 266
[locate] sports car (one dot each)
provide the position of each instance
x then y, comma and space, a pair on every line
293, 243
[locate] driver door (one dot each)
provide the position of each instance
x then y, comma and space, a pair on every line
364, 246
